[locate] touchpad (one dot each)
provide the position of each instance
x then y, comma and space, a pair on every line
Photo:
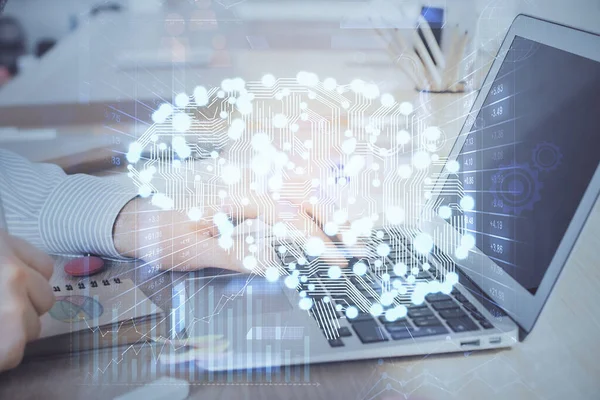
234, 296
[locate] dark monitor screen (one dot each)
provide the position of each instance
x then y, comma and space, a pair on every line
529, 157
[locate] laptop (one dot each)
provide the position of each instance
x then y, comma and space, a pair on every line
519, 185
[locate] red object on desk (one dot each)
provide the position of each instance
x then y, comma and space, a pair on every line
84, 266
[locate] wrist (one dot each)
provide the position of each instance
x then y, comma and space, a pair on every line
124, 229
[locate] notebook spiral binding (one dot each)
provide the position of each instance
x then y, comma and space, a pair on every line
81, 285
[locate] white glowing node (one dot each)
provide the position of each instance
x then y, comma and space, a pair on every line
244, 105
236, 129
387, 298
387, 100
225, 242
395, 215
164, 111
231, 174
182, 100
280, 121
453, 166
272, 274
467, 241
340, 216
370, 91
376, 309
421, 160
351, 312
359, 268
261, 165
134, 153
432, 133
260, 142
400, 269
201, 95
349, 145
305, 303
331, 228
354, 165
181, 147
268, 81
181, 122
162, 201
467, 203
291, 281
423, 243
406, 108
195, 213
145, 190
250, 262
404, 171
280, 229
452, 278
334, 272
403, 137
357, 85
314, 246
329, 84
383, 249
445, 212
461, 253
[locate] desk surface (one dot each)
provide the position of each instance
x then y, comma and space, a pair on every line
558, 360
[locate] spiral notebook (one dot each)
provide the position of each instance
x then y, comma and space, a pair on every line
96, 313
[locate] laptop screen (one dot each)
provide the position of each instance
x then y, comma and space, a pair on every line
529, 158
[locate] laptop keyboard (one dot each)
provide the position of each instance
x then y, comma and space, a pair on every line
438, 315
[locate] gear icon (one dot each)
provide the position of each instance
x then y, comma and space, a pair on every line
516, 188
546, 156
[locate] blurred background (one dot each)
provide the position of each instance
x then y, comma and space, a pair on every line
76, 75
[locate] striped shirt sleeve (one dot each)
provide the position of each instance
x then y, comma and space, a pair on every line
59, 213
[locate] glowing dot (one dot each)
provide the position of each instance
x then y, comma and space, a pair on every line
461, 253
467, 203
432, 133
351, 312
313, 200
445, 212
305, 303
414, 270
272, 274
406, 108
404, 171
330, 228
249, 239
250, 262
376, 182
453, 166
329, 84
225, 242
426, 266
135, 152
260, 141
395, 215
182, 100
378, 263
236, 129
387, 100
201, 96
181, 147
423, 243
291, 281
223, 114
268, 81
280, 121
383, 249
401, 311
195, 213
354, 165
345, 104
181, 122
231, 174
145, 191
314, 246
467, 241
376, 309
370, 91
307, 78
452, 278
340, 216
421, 160
348, 133
334, 272
244, 105
359, 268
261, 165
390, 315
220, 94
387, 298
385, 277
357, 85
349, 145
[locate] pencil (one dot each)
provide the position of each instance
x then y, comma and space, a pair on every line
427, 61
436, 52
451, 52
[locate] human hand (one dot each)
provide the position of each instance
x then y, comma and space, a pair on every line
177, 241
24, 296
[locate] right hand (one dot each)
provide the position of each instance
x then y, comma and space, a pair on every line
25, 295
